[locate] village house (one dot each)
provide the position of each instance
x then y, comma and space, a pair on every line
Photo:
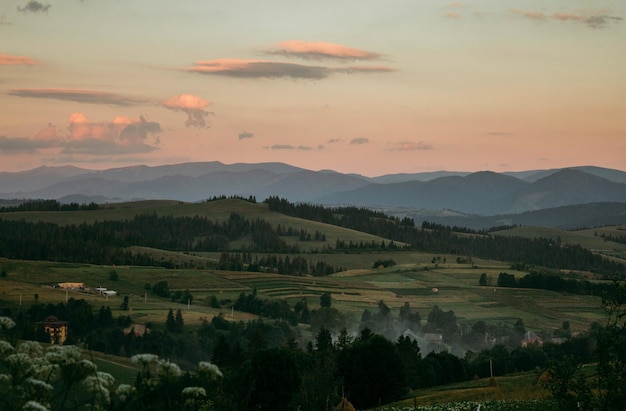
55, 328
530, 338
70, 286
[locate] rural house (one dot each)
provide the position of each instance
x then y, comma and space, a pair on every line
55, 328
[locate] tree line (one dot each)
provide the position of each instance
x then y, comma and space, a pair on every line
104, 242
441, 239
48, 205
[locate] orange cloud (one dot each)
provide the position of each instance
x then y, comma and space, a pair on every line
8, 60
193, 106
452, 15
122, 135
533, 15
317, 50
598, 19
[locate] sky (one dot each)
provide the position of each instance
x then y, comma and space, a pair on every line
371, 87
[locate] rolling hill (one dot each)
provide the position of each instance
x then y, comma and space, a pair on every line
482, 193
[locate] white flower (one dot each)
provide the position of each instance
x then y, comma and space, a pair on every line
5, 348
124, 390
6, 323
39, 385
31, 348
34, 406
144, 359
212, 370
194, 392
19, 361
169, 368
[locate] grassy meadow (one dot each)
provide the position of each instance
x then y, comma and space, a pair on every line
450, 286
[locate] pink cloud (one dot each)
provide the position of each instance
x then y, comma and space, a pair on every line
452, 15
598, 19
317, 50
8, 60
48, 134
122, 135
533, 15
193, 106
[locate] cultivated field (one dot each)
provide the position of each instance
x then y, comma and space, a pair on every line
450, 286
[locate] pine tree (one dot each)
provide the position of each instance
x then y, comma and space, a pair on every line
170, 323
179, 321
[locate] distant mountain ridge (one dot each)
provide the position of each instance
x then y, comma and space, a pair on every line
483, 193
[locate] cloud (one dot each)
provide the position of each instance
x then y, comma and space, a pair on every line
454, 5
8, 60
17, 145
4, 22
359, 140
119, 140
452, 15
241, 68
193, 106
411, 146
78, 96
594, 20
533, 15
334, 140
120, 136
289, 147
317, 50
245, 135
364, 69
258, 69
34, 7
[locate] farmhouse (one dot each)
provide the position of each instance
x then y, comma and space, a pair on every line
71, 286
56, 329
530, 338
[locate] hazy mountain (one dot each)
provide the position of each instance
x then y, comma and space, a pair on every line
483, 193
426, 176
616, 176
40, 177
565, 218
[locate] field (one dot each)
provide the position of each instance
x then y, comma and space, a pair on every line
450, 286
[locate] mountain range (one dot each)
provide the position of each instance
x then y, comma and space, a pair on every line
460, 194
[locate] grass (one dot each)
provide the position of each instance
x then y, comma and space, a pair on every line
352, 291
514, 388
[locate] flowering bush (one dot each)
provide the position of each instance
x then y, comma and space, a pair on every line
58, 378
496, 405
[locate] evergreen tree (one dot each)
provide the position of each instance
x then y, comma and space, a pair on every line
179, 320
170, 322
